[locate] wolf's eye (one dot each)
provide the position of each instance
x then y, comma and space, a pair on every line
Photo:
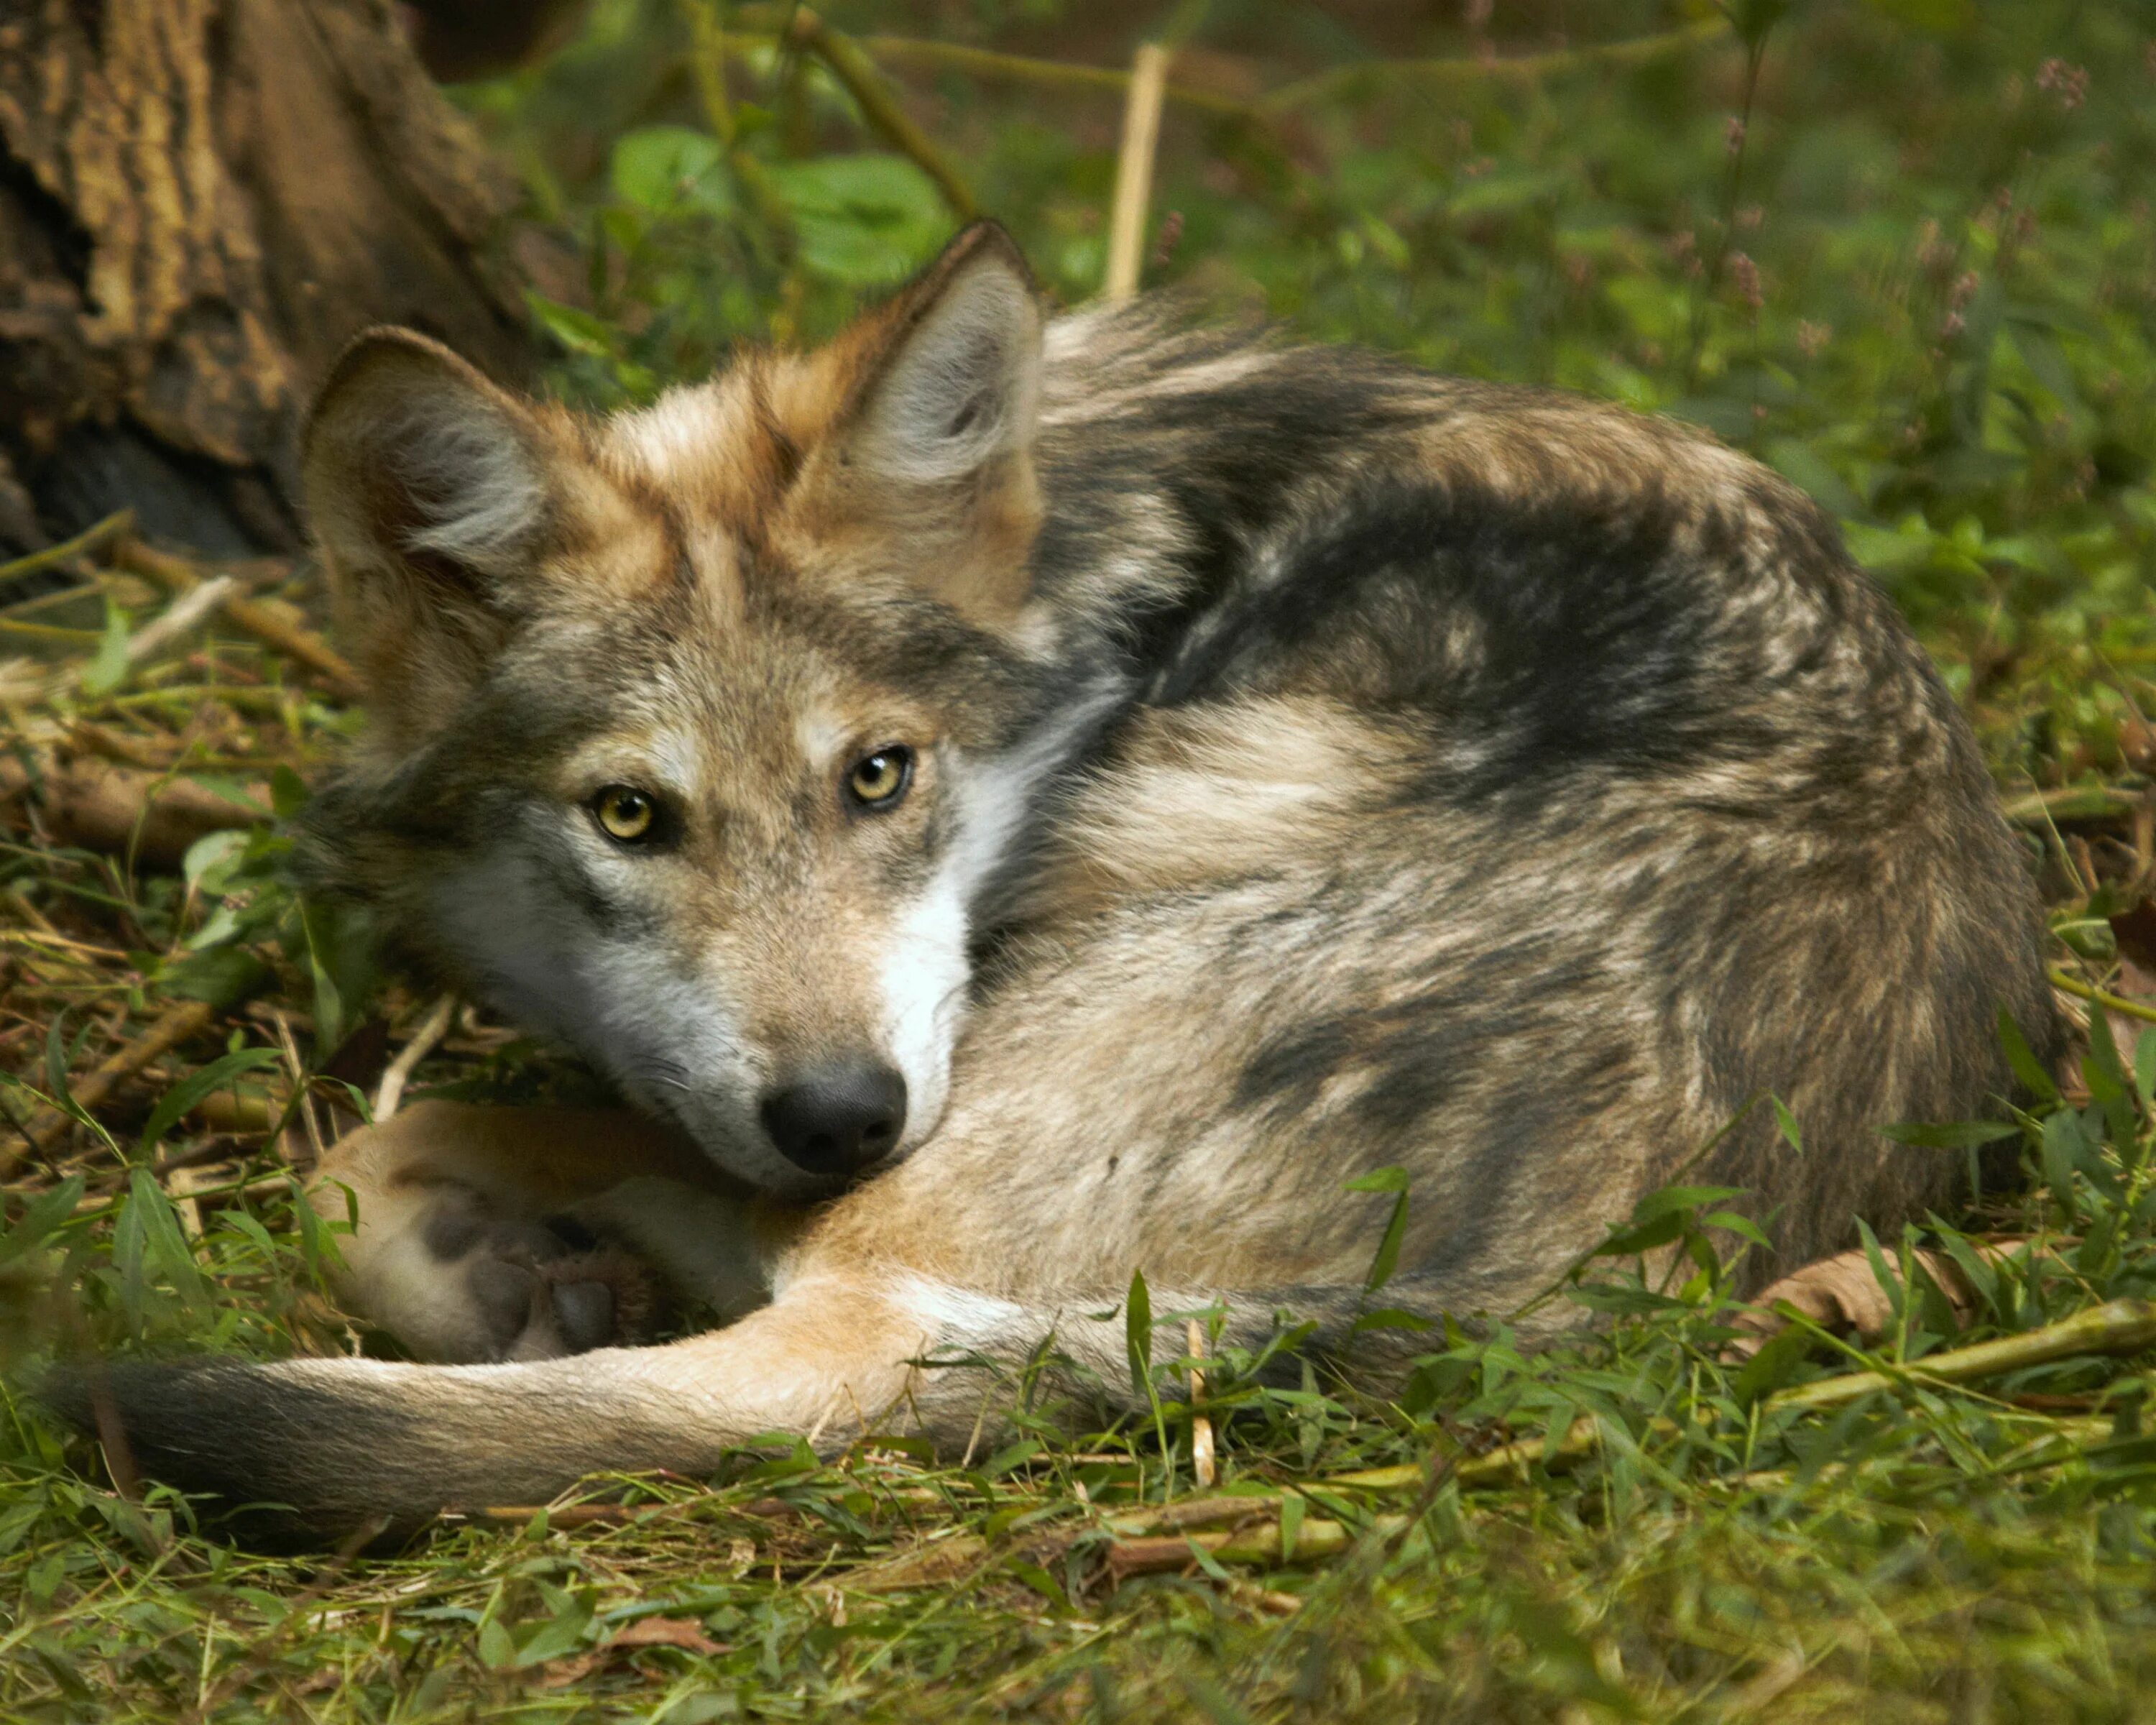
625, 813
878, 780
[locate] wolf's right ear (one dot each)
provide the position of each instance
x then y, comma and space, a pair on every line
433, 494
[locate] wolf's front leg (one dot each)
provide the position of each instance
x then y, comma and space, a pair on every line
520, 1234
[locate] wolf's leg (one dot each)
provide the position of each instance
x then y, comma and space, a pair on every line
342, 1441
494, 1233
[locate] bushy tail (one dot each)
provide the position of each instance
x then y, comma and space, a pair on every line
314, 1449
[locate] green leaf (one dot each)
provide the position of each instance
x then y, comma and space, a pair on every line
862, 220
1753, 19
1505, 189
1291, 1523
1949, 1135
564, 1633
196, 1087
107, 669
670, 170
1772, 1366
1788, 1123
287, 792
43, 1213
147, 1237
2026, 1067
1889, 1281
223, 976
579, 331
1137, 1334
1668, 1200
209, 860
497, 1648
1388, 1257
2061, 1148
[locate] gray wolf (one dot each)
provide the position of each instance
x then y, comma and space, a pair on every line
1011, 801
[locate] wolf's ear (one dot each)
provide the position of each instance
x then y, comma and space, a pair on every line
935, 446
432, 493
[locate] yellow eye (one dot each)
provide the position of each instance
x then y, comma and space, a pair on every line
879, 780
624, 812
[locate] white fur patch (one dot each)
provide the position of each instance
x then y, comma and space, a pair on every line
677, 430
927, 968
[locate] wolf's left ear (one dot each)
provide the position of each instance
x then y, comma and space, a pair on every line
432, 493
936, 443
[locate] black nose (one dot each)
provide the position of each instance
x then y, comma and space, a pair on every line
838, 1119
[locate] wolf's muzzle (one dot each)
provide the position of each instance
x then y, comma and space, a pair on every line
836, 1120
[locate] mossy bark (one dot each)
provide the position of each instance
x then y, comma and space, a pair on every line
201, 201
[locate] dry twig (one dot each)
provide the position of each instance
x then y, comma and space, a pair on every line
425, 1039
177, 576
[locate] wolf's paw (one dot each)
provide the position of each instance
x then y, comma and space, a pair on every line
526, 1290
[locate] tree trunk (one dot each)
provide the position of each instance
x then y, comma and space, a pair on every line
201, 201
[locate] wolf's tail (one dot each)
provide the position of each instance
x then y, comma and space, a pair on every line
309, 1450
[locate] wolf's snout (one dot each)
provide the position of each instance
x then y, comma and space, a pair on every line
836, 1120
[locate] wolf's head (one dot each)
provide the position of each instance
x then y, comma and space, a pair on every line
696, 731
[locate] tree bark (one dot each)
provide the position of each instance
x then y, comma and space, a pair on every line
201, 201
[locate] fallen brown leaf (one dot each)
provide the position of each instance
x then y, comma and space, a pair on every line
682, 1632
1843, 1297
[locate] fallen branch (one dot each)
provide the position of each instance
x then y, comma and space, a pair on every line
49, 1125
122, 811
2119, 1327
178, 577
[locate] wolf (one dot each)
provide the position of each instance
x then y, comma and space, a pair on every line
1011, 801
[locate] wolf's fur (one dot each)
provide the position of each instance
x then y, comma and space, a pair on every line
1322, 766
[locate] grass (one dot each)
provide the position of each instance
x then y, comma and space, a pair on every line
1903, 251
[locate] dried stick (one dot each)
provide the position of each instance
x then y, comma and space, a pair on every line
1202, 1466
166, 1032
302, 1100
431, 1031
1134, 171
187, 613
177, 576
1315, 1539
